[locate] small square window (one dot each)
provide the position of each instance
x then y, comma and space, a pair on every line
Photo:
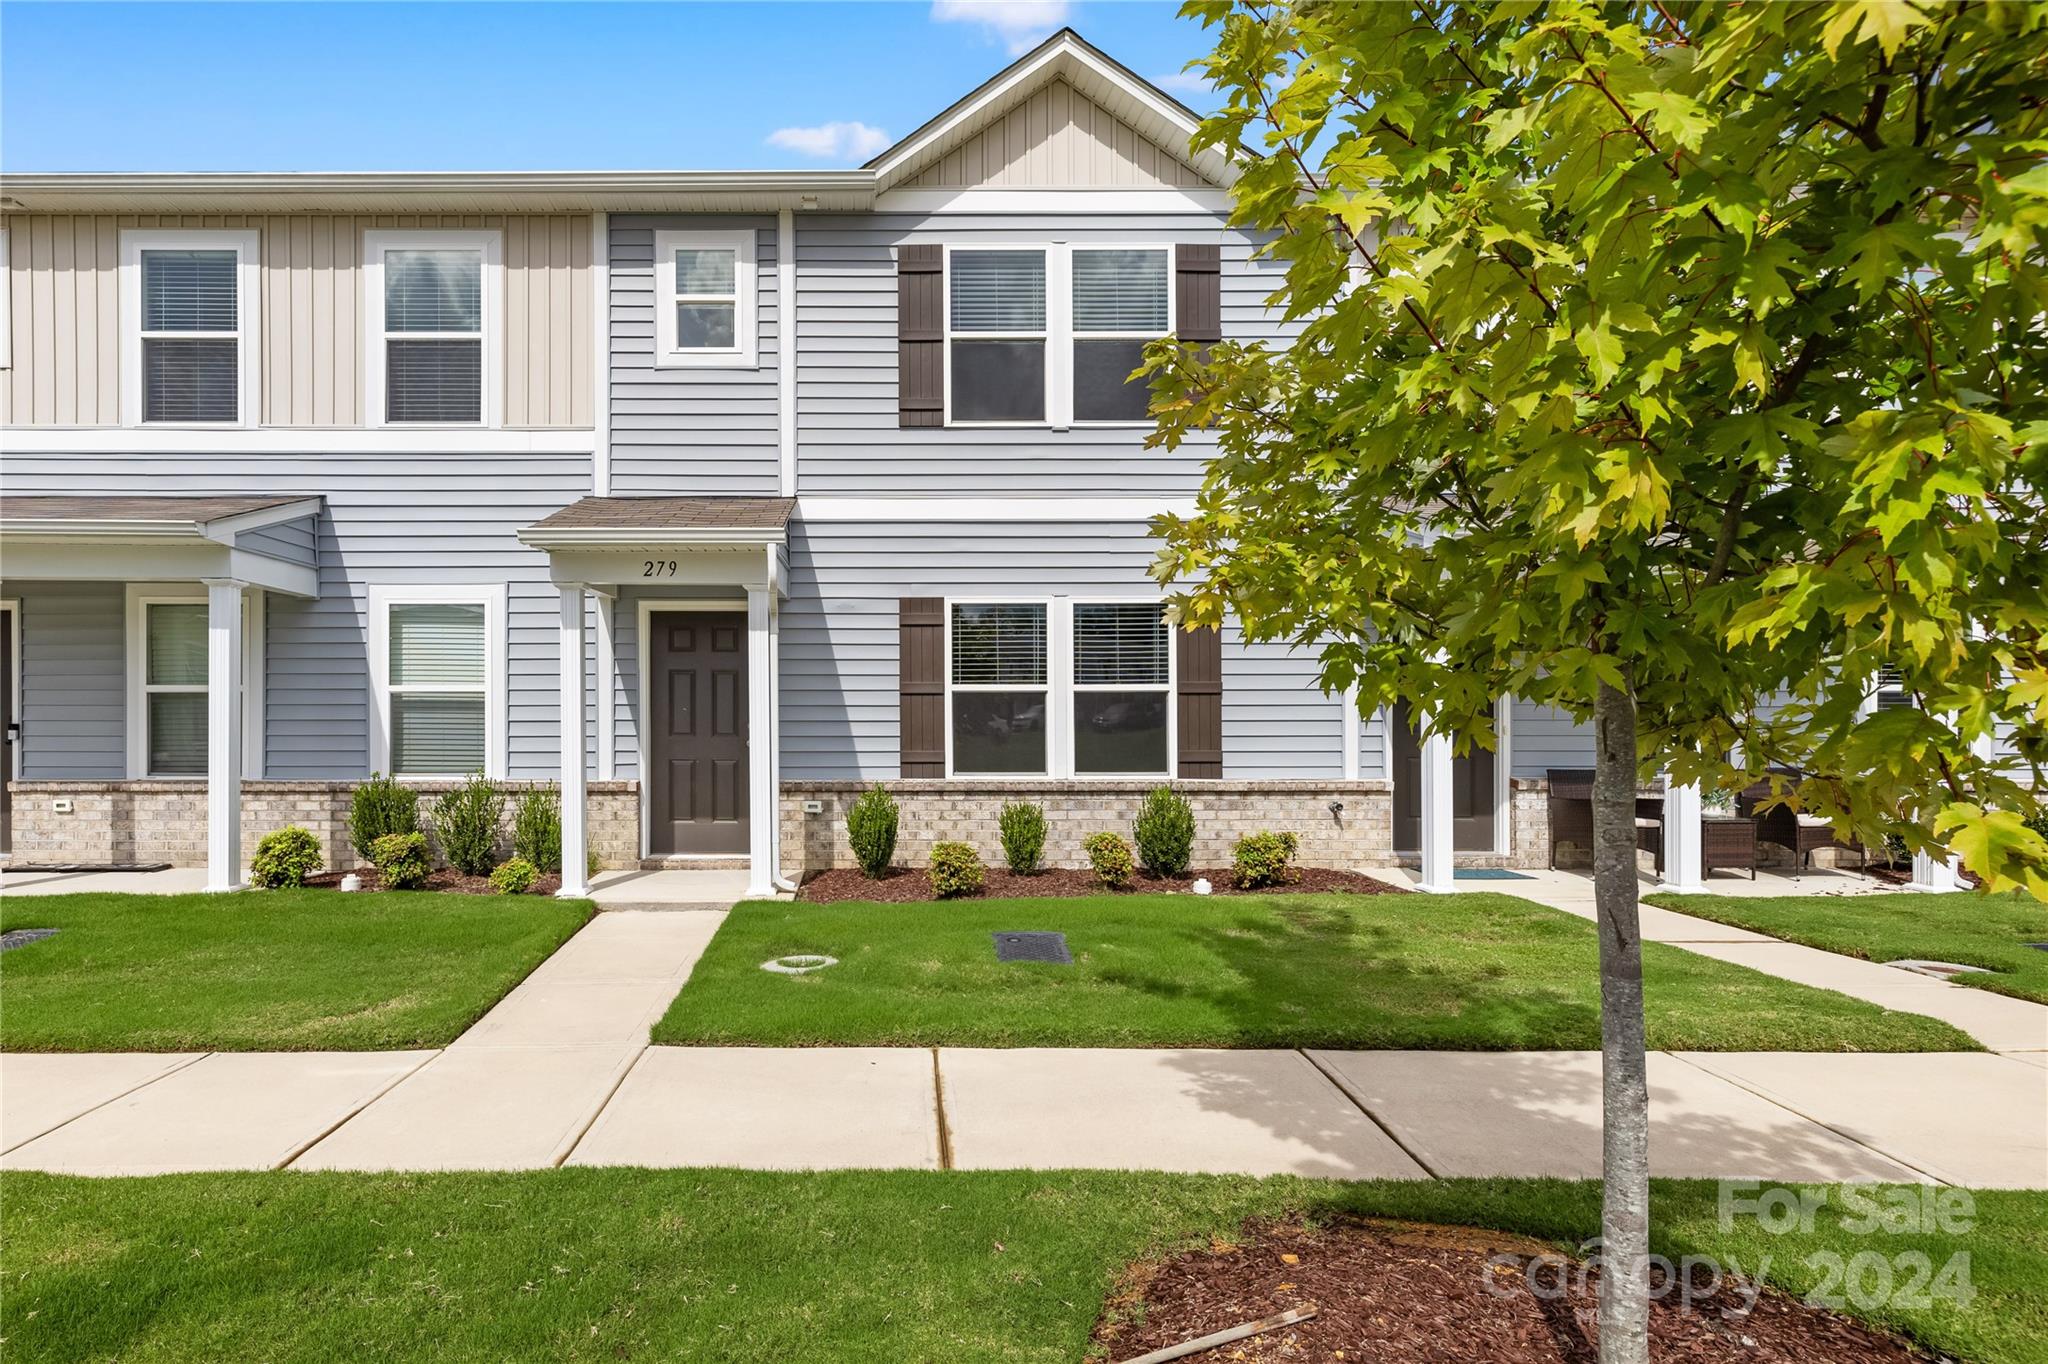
704, 286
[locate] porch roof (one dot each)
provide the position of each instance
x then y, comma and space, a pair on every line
155, 539
129, 517
662, 523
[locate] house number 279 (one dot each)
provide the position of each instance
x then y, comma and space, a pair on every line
659, 568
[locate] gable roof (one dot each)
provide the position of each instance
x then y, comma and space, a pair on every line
1066, 56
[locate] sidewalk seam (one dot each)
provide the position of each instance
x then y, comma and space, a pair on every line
1774, 1100
132, 1089
568, 1148
939, 1113
1337, 1082
345, 1118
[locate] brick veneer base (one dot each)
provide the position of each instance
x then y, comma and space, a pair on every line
935, 811
165, 821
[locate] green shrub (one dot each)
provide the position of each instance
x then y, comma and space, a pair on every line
956, 870
466, 823
537, 827
1111, 857
1165, 832
401, 860
1264, 859
514, 876
871, 829
381, 806
1022, 826
285, 859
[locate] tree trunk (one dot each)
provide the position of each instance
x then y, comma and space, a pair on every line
1625, 1094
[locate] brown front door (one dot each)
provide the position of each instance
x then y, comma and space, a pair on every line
697, 747
1472, 792
8, 718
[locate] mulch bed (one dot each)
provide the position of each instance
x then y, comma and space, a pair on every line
1406, 1294
902, 885
443, 879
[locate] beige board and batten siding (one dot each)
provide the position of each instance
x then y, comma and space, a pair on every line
65, 321
1058, 138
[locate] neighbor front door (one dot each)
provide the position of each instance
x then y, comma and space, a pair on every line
8, 735
697, 732
1473, 792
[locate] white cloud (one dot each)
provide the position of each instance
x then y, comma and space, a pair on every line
1185, 82
1020, 24
832, 141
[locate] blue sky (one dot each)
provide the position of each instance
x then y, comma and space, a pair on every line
566, 86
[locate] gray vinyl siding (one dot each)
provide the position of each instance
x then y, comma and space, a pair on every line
848, 440
839, 639
392, 520
294, 542
1543, 737
684, 431
74, 699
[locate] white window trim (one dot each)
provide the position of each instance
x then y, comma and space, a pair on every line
248, 320
491, 596
1059, 335
1060, 689
6, 303
142, 596
1075, 334
1054, 740
1171, 689
376, 245
745, 353
11, 607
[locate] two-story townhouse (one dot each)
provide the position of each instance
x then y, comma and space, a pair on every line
741, 490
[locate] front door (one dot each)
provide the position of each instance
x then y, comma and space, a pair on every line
697, 746
8, 719
1473, 792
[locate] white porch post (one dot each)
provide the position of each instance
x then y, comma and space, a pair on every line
224, 607
607, 688
1936, 875
575, 865
1437, 819
774, 742
1682, 838
760, 750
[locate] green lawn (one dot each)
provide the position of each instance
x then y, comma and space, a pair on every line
1970, 929
267, 970
1456, 972
605, 1265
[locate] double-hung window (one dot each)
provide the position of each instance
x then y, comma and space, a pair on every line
174, 702
998, 700
1123, 298
1123, 689
996, 336
433, 306
1050, 335
438, 664
704, 286
190, 305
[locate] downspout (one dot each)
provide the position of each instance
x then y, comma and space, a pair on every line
785, 345
601, 355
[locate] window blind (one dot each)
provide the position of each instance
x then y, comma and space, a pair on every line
998, 291
189, 381
1120, 291
434, 381
188, 291
433, 291
705, 270
176, 645
437, 643
1119, 644
437, 734
998, 644
177, 733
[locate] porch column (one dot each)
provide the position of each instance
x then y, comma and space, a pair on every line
1936, 875
1437, 819
774, 741
224, 606
575, 864
1682, 838
760, 750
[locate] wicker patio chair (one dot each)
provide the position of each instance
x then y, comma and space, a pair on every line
1800, 835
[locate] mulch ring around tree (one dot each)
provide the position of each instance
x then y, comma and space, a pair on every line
1397, 1293
442, 878
901, 885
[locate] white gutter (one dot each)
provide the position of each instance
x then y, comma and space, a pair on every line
601, 353
615, 537
785, 344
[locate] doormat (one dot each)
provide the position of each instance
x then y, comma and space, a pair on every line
89, 866
1050, 947
1489, 874
22, 937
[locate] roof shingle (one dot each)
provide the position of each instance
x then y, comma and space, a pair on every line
672, 513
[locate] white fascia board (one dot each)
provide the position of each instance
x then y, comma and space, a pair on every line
1053, 201
652, 537
461, 191
178, 558
224, 529
943, 509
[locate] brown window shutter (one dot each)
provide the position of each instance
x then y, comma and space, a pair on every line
921, 686
1198, 292
920, 336
1199, 700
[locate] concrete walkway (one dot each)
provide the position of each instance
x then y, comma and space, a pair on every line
560, 1073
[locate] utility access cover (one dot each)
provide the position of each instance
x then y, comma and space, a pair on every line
1033, 947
